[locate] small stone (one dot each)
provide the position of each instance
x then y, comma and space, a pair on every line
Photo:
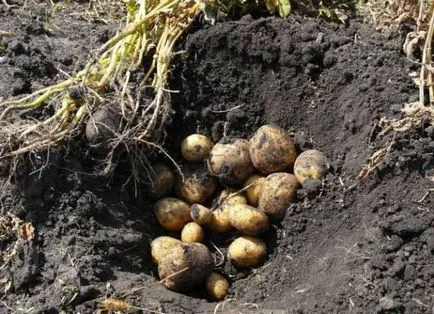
387, 303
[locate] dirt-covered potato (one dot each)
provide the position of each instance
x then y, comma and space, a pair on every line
219, 222
272, 149
162, 182
172, 213
230, 162
247, 219
200, 214
191, 233
310, 164
196, 147
229, 197
198, 185
254, 184
161, 246
247, 251
217, 286
278, 191
186, 267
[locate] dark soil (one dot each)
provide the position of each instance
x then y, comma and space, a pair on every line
341, 248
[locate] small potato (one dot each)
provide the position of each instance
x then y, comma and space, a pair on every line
272, 149
247, 219
217, 286
247, 251
220, 222
200, 214
161, 246
278, 191
197, 186
196, 147
231, 162
186, 267
192, 233
310, 164
252, 192
172, 213
162, 182
228, 197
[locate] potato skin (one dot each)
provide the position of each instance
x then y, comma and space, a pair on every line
310, 164
272, 149
192, 233
247, 251
196, 147
217, 286
252, 192
247, 219
278, 191
196, 257
162, 182
196, 188
231, 162
161, 246
200, 214
220, 222
172, 213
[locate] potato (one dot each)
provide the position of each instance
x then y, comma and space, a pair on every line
196, 147
252, 192
272, 149
186, 267
247, 251
192, 233
217, 286
200, 214
310, 164
231, 162
161, 246
278, 191
197, 186
162, 182
228, 197
220, 222
247, 219
172, 213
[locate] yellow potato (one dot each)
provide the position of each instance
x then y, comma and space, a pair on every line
162, 182
196, 147
172, 213
247, 251
310, 164
192, 233
231, 162
272, 149
247, 219
186, 267
196, 188
200, 214
278, 191
161, 246
217, 286
220, 222
255, 183
229, 197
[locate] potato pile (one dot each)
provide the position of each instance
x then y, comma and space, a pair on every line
234, 188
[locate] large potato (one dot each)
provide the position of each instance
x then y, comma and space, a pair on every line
186, 267
278, 191
219, 222
172, 213
231, 162
200, 214
272, 149
217, 286
162, 182
254, 184
197, 186
310, 164
196, 147
161, 246
191, 233
247, 219
247, 251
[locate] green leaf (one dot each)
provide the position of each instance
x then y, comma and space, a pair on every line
282, 7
